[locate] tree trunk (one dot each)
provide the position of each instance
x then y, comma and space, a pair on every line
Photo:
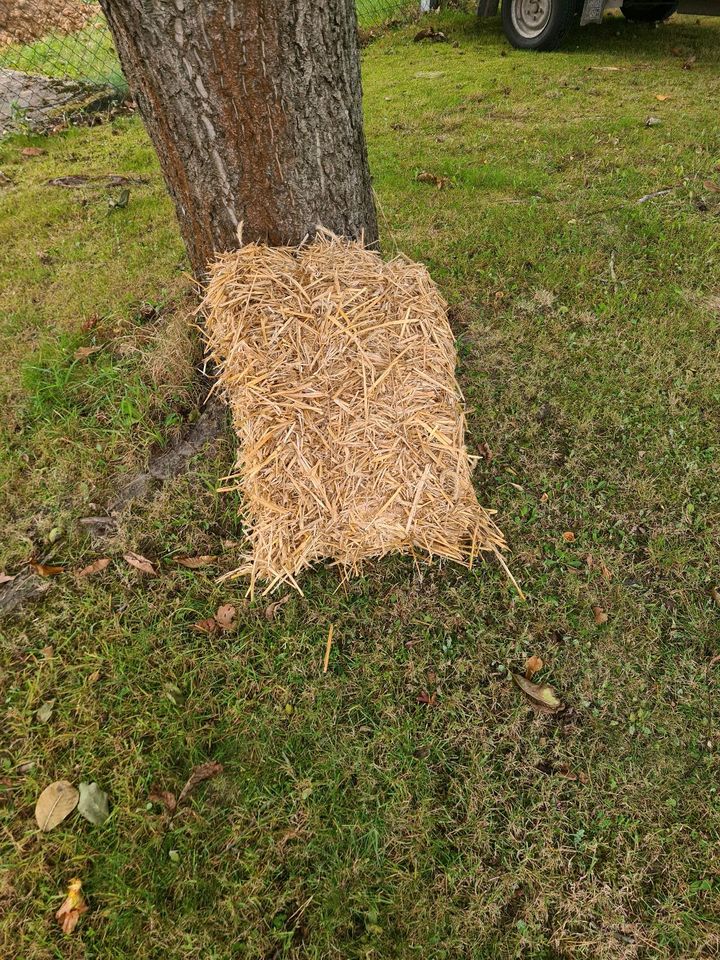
255, 110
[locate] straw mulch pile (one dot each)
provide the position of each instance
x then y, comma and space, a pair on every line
339, 370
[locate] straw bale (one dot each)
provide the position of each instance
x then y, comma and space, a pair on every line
339, 369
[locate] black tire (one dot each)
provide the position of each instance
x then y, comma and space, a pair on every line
638, 12
537, 24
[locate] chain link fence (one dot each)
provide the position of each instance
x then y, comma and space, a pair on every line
57, 56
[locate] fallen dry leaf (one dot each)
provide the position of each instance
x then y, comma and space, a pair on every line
32, 152
533, 665
271, 610
4, 578
195, 563
564, 771
225, 616
712, 186
44, 713
715, 595
206, 626
426, 177
205, 771
97, 566
568, 536
165, 798
430, 699
542, 695
485, 452
45, 570
430, 33
55, 803
600, 615
140, 563
662, 97
689, 63
605, 572
72, 907
82, 353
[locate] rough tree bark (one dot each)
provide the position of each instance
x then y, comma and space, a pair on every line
255, 110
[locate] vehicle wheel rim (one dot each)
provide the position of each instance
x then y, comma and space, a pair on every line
530, 17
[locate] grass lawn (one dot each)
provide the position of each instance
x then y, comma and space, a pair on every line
354, 820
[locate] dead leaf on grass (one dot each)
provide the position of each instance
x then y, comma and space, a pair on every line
431, 34
32, 152
689, 63
44, 712
712, 186
164, 798
429, 699
72, 907
272, 609
542, 695
55, 803
662, 97
82, 353
45, 570
568, 536
195, 563
97, 566
205, 771
225, 616
140, 563
564, 771
485, 452
4, 578
715, 595
600, 615
206, 626
93, 804
533, 665
435, 179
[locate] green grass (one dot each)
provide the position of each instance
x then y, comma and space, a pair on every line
353, 820
87, 56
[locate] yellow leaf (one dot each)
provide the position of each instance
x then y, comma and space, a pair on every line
72, 907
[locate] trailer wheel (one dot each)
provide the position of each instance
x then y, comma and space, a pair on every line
648, 12
537, 24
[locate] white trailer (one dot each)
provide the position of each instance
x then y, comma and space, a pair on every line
542, 24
